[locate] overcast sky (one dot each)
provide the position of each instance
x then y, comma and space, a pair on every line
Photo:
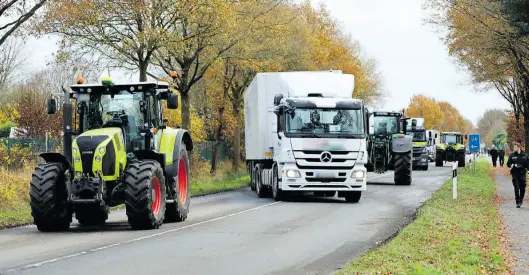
411, 57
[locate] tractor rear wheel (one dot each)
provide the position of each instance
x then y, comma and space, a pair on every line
177, 211
49, 198
438, 160
461, 160
91, 214
403, 167
145, 194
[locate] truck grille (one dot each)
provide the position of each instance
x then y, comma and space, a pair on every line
417, 151
335, 160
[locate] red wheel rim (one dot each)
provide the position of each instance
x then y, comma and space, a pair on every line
156, 195
182, 180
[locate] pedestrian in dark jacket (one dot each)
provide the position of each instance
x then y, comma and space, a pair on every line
501, 155
518, 164
494, 155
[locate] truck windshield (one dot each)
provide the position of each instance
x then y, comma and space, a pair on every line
385, 125
418, 136
325, 121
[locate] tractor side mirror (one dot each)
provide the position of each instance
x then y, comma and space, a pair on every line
430, 134
51, 106
466, 137
172, 101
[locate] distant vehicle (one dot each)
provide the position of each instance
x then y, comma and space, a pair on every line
434, 138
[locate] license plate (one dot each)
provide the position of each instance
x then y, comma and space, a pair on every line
324, 174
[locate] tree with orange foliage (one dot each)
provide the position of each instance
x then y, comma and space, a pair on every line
427, 108
515, 131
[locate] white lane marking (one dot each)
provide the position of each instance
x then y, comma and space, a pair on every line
141, 238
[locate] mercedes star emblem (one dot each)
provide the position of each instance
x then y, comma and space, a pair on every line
326, 157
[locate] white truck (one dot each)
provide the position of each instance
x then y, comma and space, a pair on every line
305, 133
434, 138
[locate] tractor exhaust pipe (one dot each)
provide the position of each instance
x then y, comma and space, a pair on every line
67, 126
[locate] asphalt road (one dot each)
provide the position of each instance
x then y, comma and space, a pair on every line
229, 233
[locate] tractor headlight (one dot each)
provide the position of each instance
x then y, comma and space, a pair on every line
98, 158
78, 174
101, 150
77, 159
293, 174
74, 151
357, 175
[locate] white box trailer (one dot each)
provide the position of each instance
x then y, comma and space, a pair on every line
324, 157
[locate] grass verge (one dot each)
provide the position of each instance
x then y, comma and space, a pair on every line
447, 236
14, 191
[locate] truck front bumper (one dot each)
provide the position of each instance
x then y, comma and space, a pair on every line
423, 160
323, 180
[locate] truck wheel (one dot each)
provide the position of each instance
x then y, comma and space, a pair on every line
177, 211
252, 178
277, 193
403, 168
260, 189
145, 194
353, 196
91, 214
461, 160
49, 198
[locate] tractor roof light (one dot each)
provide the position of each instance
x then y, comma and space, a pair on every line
106, 81
80, 80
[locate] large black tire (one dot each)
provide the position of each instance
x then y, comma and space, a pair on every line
353, 196
461, 160
403, 167
252, 177
49, 198
145, 194
260, 189
91, 214
177, 211
277, 193
438, 160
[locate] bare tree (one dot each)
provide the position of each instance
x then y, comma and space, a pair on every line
13, 13
10, 63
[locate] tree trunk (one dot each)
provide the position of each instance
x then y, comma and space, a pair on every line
143, 71
218, 137
186, 111
237, 139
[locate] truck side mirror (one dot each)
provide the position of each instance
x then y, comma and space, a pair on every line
277, 99
466, 137
172, 101
51, 106
435, 135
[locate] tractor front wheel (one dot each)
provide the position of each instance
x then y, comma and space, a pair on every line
49, 198
145, 194
403, 167
438, 160
461, 160
177, 210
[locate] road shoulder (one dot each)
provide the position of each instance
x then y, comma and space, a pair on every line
447, 236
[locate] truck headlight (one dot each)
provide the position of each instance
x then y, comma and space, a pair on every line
293, 174
357, 175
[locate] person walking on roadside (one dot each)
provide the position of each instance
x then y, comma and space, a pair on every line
494, 155
501, 155
518, 164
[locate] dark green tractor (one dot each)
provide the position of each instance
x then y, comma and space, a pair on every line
118, 150
389, 148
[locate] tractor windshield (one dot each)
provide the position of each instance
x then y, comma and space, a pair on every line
325, 122
385, 125
122, 103
450, 139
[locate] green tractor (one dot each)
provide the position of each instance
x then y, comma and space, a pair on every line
118, 150
389, 148
451, 148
